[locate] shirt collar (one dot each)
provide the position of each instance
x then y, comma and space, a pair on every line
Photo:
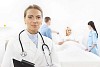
31, 35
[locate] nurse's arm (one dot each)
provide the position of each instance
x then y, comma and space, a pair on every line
91, 47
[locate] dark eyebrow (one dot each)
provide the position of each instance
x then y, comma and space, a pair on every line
38, 15
30, 15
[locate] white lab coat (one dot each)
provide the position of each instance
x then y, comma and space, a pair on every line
34, 55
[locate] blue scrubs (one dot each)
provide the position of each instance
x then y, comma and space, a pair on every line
92, 40
46, 31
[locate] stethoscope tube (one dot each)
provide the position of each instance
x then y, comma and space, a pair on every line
48, 50
23, 54
43, 43
20, 40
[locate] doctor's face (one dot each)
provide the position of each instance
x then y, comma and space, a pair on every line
33, 20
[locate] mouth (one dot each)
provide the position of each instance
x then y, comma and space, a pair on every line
35, 26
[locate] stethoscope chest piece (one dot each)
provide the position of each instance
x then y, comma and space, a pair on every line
23, 54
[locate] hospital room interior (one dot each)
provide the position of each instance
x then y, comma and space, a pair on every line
63, 13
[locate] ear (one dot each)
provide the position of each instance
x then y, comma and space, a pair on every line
24, 20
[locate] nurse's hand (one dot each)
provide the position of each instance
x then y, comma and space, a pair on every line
86, 49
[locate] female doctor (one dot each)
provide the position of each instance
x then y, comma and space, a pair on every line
32, 43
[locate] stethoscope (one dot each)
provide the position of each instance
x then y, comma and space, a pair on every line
23, 53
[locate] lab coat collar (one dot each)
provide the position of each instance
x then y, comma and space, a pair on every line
33, 35
26, 39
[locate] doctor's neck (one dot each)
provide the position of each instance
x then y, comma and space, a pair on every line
32, 31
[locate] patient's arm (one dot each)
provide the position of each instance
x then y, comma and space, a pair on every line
71, 40
60, 43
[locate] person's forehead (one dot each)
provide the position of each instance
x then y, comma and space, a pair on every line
33, 11
68, 28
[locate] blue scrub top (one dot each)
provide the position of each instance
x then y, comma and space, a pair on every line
92, 40
46, 31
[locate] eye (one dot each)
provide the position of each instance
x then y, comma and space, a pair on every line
29, 17
38, 17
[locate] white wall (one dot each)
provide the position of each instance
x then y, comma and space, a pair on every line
73, 13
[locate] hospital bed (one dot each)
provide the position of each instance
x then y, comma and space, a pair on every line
72, 54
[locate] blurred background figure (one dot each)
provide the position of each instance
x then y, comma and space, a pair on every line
69, 36
45, 30
92, 38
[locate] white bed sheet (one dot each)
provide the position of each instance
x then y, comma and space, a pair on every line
72, 54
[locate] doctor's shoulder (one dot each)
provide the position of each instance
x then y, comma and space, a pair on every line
9, 52
48, 41
12, 40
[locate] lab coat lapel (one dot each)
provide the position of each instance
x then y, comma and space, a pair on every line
36, 52
29, 46
39, 49
40, 42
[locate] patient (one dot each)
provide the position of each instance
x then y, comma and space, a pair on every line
68, 37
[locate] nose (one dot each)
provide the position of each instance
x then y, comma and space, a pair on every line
34, 20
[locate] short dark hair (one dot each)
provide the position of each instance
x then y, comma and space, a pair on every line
47, 19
